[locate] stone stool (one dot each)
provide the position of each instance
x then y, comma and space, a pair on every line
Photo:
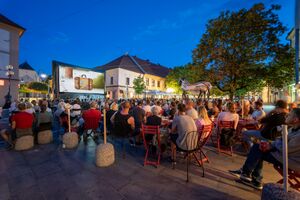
24, 143
45, 137
105, 155
70, 140
272, 191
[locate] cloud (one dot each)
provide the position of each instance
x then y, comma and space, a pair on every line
59, 37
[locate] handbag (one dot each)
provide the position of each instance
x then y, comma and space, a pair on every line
83, 83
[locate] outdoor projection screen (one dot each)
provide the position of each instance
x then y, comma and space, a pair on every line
80, 80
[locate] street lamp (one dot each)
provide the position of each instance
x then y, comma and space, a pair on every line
44, 77
9, 74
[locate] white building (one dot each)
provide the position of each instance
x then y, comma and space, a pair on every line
28, 74
10, 33
120, 73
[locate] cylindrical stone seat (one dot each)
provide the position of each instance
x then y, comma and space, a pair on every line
105, 155
45, 137
272, 191
70, 140
24, 143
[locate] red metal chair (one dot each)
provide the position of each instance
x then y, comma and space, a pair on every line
90, 126
293, 177
204, 135
221, 125
154, 131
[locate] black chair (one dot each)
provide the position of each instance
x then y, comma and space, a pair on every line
192, 146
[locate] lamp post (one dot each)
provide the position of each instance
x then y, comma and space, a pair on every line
9, 74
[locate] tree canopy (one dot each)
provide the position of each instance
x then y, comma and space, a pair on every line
139, 85
241, 51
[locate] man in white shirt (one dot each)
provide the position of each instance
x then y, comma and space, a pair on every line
190, 110
258, 113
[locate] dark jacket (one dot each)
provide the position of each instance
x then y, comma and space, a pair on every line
270, 123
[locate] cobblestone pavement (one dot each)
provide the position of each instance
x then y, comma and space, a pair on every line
50, 172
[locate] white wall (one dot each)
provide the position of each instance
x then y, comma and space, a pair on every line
24, 74
111, 73
120, 76
123, 74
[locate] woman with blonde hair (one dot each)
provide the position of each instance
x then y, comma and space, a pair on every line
203, 118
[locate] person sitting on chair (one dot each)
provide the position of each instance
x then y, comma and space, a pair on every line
91, 119
270, 124
123, 123
251, 172
21, 124
181, 126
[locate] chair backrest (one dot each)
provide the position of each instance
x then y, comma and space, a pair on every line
147, 129
204, 134
91, 122
225, 124
191, 141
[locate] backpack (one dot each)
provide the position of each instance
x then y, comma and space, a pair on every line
227, 137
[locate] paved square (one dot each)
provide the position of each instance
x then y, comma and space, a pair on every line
50, 172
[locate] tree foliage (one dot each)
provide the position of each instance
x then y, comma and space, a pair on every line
280, 72
139, 85
240, 48
38, 86
189, 72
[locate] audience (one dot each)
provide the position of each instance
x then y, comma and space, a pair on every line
251, 172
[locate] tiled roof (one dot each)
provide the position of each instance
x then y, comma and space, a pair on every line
25, 65
135, 64
7, 21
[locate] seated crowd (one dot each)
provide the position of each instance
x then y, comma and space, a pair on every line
126, 118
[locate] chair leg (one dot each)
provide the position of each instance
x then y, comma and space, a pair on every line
202, 165
206, 158
187, 167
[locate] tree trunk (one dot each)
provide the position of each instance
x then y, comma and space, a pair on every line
231, 95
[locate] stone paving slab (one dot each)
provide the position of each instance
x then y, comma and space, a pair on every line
50, 172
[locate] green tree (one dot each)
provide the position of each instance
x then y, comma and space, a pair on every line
280, 72
39, 86
237, 47
190, 72
139, 85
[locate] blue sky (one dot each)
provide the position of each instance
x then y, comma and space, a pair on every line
90, 33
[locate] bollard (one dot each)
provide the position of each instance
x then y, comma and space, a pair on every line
70, 139
105, 153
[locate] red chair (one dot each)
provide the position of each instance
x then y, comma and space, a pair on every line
293, 177
151, 130
221, 125
204, 135
90, 126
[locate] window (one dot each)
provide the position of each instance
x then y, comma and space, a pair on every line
111, 80
127, 81
147, 81
158, 84
4, 40
153, 83
4, 51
